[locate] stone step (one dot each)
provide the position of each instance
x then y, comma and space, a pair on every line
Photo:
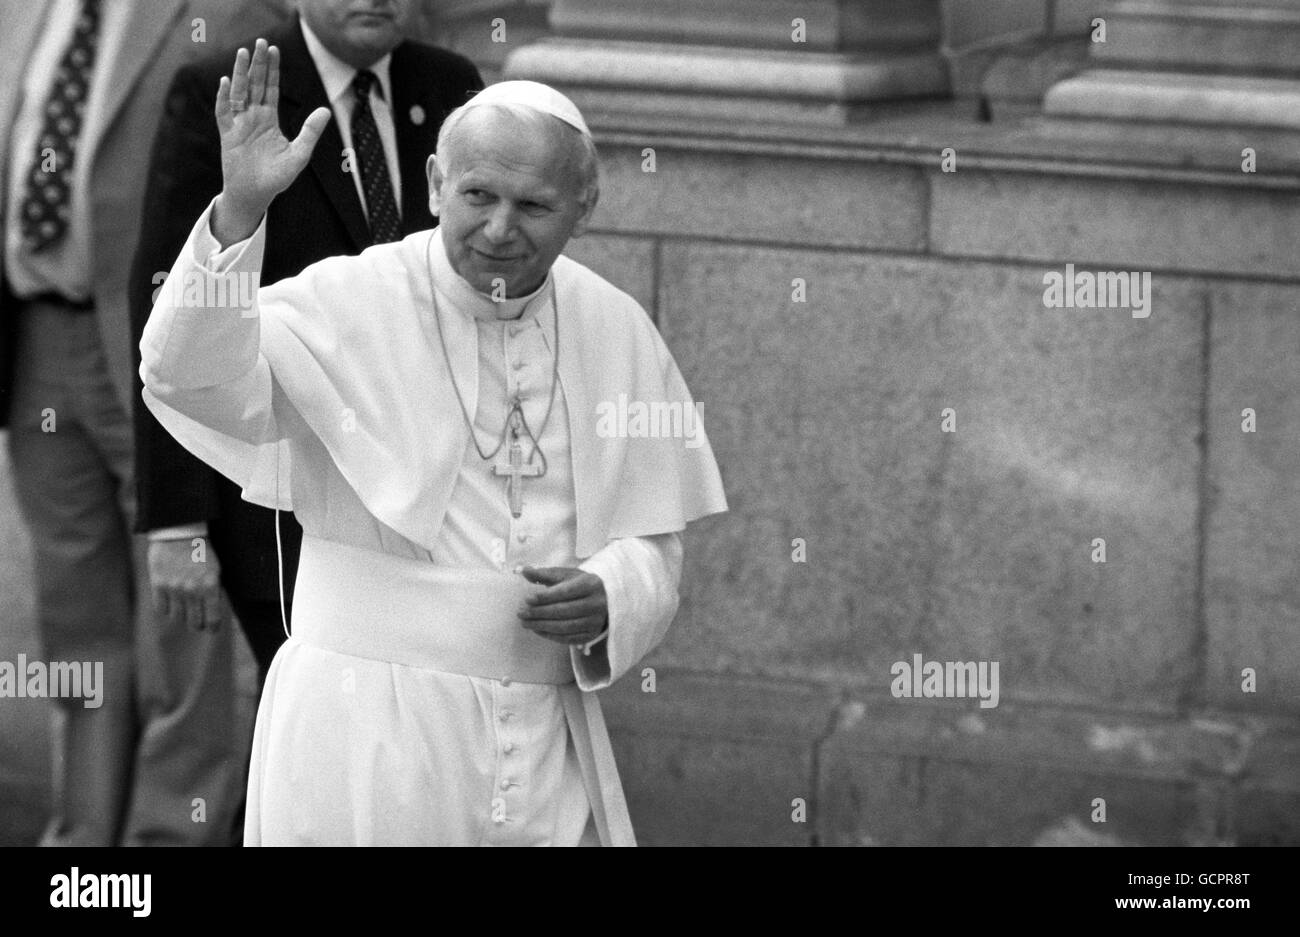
717, 82
831, 25
1235, 37
1177, 98
713, 759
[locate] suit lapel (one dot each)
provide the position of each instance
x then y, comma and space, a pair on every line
301, 92
416, 117
22, 28
134, 56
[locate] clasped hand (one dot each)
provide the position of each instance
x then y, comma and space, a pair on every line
573, 609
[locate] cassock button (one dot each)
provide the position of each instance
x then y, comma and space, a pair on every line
506, 784
510, 748
521, 537
505, 716
505, 681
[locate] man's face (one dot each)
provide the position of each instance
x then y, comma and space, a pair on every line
509, 203
360, 32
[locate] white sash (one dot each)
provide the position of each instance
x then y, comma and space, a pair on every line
383, 607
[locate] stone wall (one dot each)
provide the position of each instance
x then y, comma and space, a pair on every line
1120, 680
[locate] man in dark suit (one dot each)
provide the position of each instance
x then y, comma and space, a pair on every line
366, 185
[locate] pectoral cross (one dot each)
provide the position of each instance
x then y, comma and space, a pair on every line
515, 469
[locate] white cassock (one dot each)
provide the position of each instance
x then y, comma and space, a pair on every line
410, 705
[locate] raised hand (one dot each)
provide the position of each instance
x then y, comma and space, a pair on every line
257, 161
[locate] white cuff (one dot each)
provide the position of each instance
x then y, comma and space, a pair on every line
640, 575
179, 532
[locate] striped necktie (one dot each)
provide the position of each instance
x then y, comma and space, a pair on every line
385, 223
47, 194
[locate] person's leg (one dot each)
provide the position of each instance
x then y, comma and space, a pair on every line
67, 495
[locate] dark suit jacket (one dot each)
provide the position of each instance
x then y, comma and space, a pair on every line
318, 216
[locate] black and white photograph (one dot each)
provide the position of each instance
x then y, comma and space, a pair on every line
678, 423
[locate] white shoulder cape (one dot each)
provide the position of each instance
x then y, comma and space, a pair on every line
354, 360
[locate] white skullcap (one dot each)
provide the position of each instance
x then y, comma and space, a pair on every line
535, 95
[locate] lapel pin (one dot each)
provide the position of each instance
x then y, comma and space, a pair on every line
417, 115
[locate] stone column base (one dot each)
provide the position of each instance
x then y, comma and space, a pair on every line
1178, 98
725, 83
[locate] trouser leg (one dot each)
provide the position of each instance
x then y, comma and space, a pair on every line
67, 493
189, 769
91, 749
189, 763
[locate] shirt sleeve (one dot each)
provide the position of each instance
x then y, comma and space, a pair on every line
179, 532
641, 576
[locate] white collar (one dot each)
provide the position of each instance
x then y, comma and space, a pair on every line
336, 75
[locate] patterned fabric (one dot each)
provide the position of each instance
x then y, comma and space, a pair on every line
47, 194
381, 207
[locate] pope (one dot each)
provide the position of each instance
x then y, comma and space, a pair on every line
477, 559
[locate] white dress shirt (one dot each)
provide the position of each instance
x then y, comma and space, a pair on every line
64, 267
337, 77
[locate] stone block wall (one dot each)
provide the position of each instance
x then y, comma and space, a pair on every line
1120, 680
